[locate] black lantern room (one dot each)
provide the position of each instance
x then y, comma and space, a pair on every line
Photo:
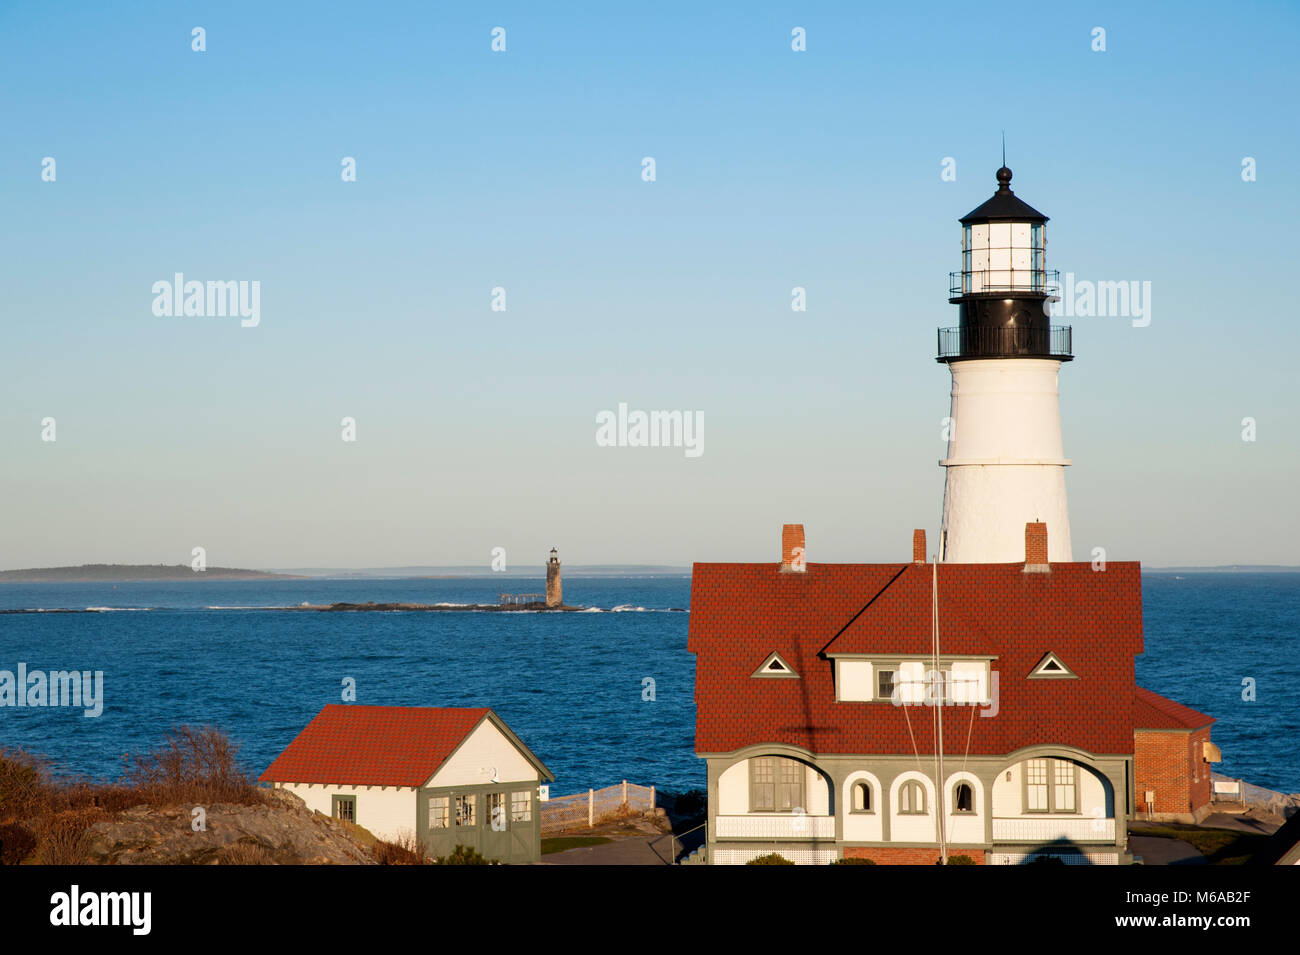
1004, 287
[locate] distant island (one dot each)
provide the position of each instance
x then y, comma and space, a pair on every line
131, 573
1226, 569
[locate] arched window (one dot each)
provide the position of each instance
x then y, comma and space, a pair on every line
963, 798
862, 797
911, 799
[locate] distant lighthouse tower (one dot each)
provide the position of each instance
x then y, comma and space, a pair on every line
554, 592
1005, 463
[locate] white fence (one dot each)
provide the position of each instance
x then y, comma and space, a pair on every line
584, 810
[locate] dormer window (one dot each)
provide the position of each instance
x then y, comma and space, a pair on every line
863, 678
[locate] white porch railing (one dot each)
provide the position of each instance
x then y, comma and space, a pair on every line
784, 826
1088, 829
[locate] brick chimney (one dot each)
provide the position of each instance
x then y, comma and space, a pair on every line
792, 550
918, 546
1036, 548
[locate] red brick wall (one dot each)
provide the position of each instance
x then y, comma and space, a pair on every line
1169, 761
1200, 788
891, 855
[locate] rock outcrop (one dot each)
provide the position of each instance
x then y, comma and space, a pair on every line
282, 832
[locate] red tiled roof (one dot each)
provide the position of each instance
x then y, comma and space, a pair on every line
373, 745
1151, 711
740, 613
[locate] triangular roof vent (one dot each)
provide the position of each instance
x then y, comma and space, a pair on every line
1052, 666
775, 666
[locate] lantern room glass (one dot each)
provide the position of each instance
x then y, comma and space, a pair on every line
1003, 257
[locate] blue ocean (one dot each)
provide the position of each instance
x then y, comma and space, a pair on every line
572, 685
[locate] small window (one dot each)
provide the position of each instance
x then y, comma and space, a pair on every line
862, 797
345, 808
521, 806
911, 799
963, 798
885, 684
440, 812
465, 814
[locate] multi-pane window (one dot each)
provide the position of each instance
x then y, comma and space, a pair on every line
862, 797
1036, 785
345, 808
775, 784
439, 812
911, 799
521, 806
1050, 786
465, 806
1063, 788
885, 684
496, 810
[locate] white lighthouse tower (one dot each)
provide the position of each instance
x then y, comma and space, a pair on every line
1005, 463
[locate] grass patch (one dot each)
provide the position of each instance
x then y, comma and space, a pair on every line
1219, 846
562, 843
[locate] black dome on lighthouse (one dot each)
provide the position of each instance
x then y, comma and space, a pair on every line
1004, 206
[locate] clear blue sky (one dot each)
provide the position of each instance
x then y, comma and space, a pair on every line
522, 169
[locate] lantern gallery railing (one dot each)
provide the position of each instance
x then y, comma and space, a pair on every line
991, 281
985, 341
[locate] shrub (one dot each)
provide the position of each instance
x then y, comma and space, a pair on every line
406, 849
464, 855
25, 789
854, 860
960, 860
193, 766
62, 838
16, 843
772, 858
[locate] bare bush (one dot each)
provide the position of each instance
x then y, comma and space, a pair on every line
195, 765
405, 849
62, 838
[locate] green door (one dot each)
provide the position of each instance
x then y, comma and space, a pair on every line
500, 822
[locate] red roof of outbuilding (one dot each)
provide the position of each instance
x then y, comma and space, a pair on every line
1151, 711
740, 613
376, 745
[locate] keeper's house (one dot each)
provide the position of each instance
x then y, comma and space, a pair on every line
449, 776
817, 704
